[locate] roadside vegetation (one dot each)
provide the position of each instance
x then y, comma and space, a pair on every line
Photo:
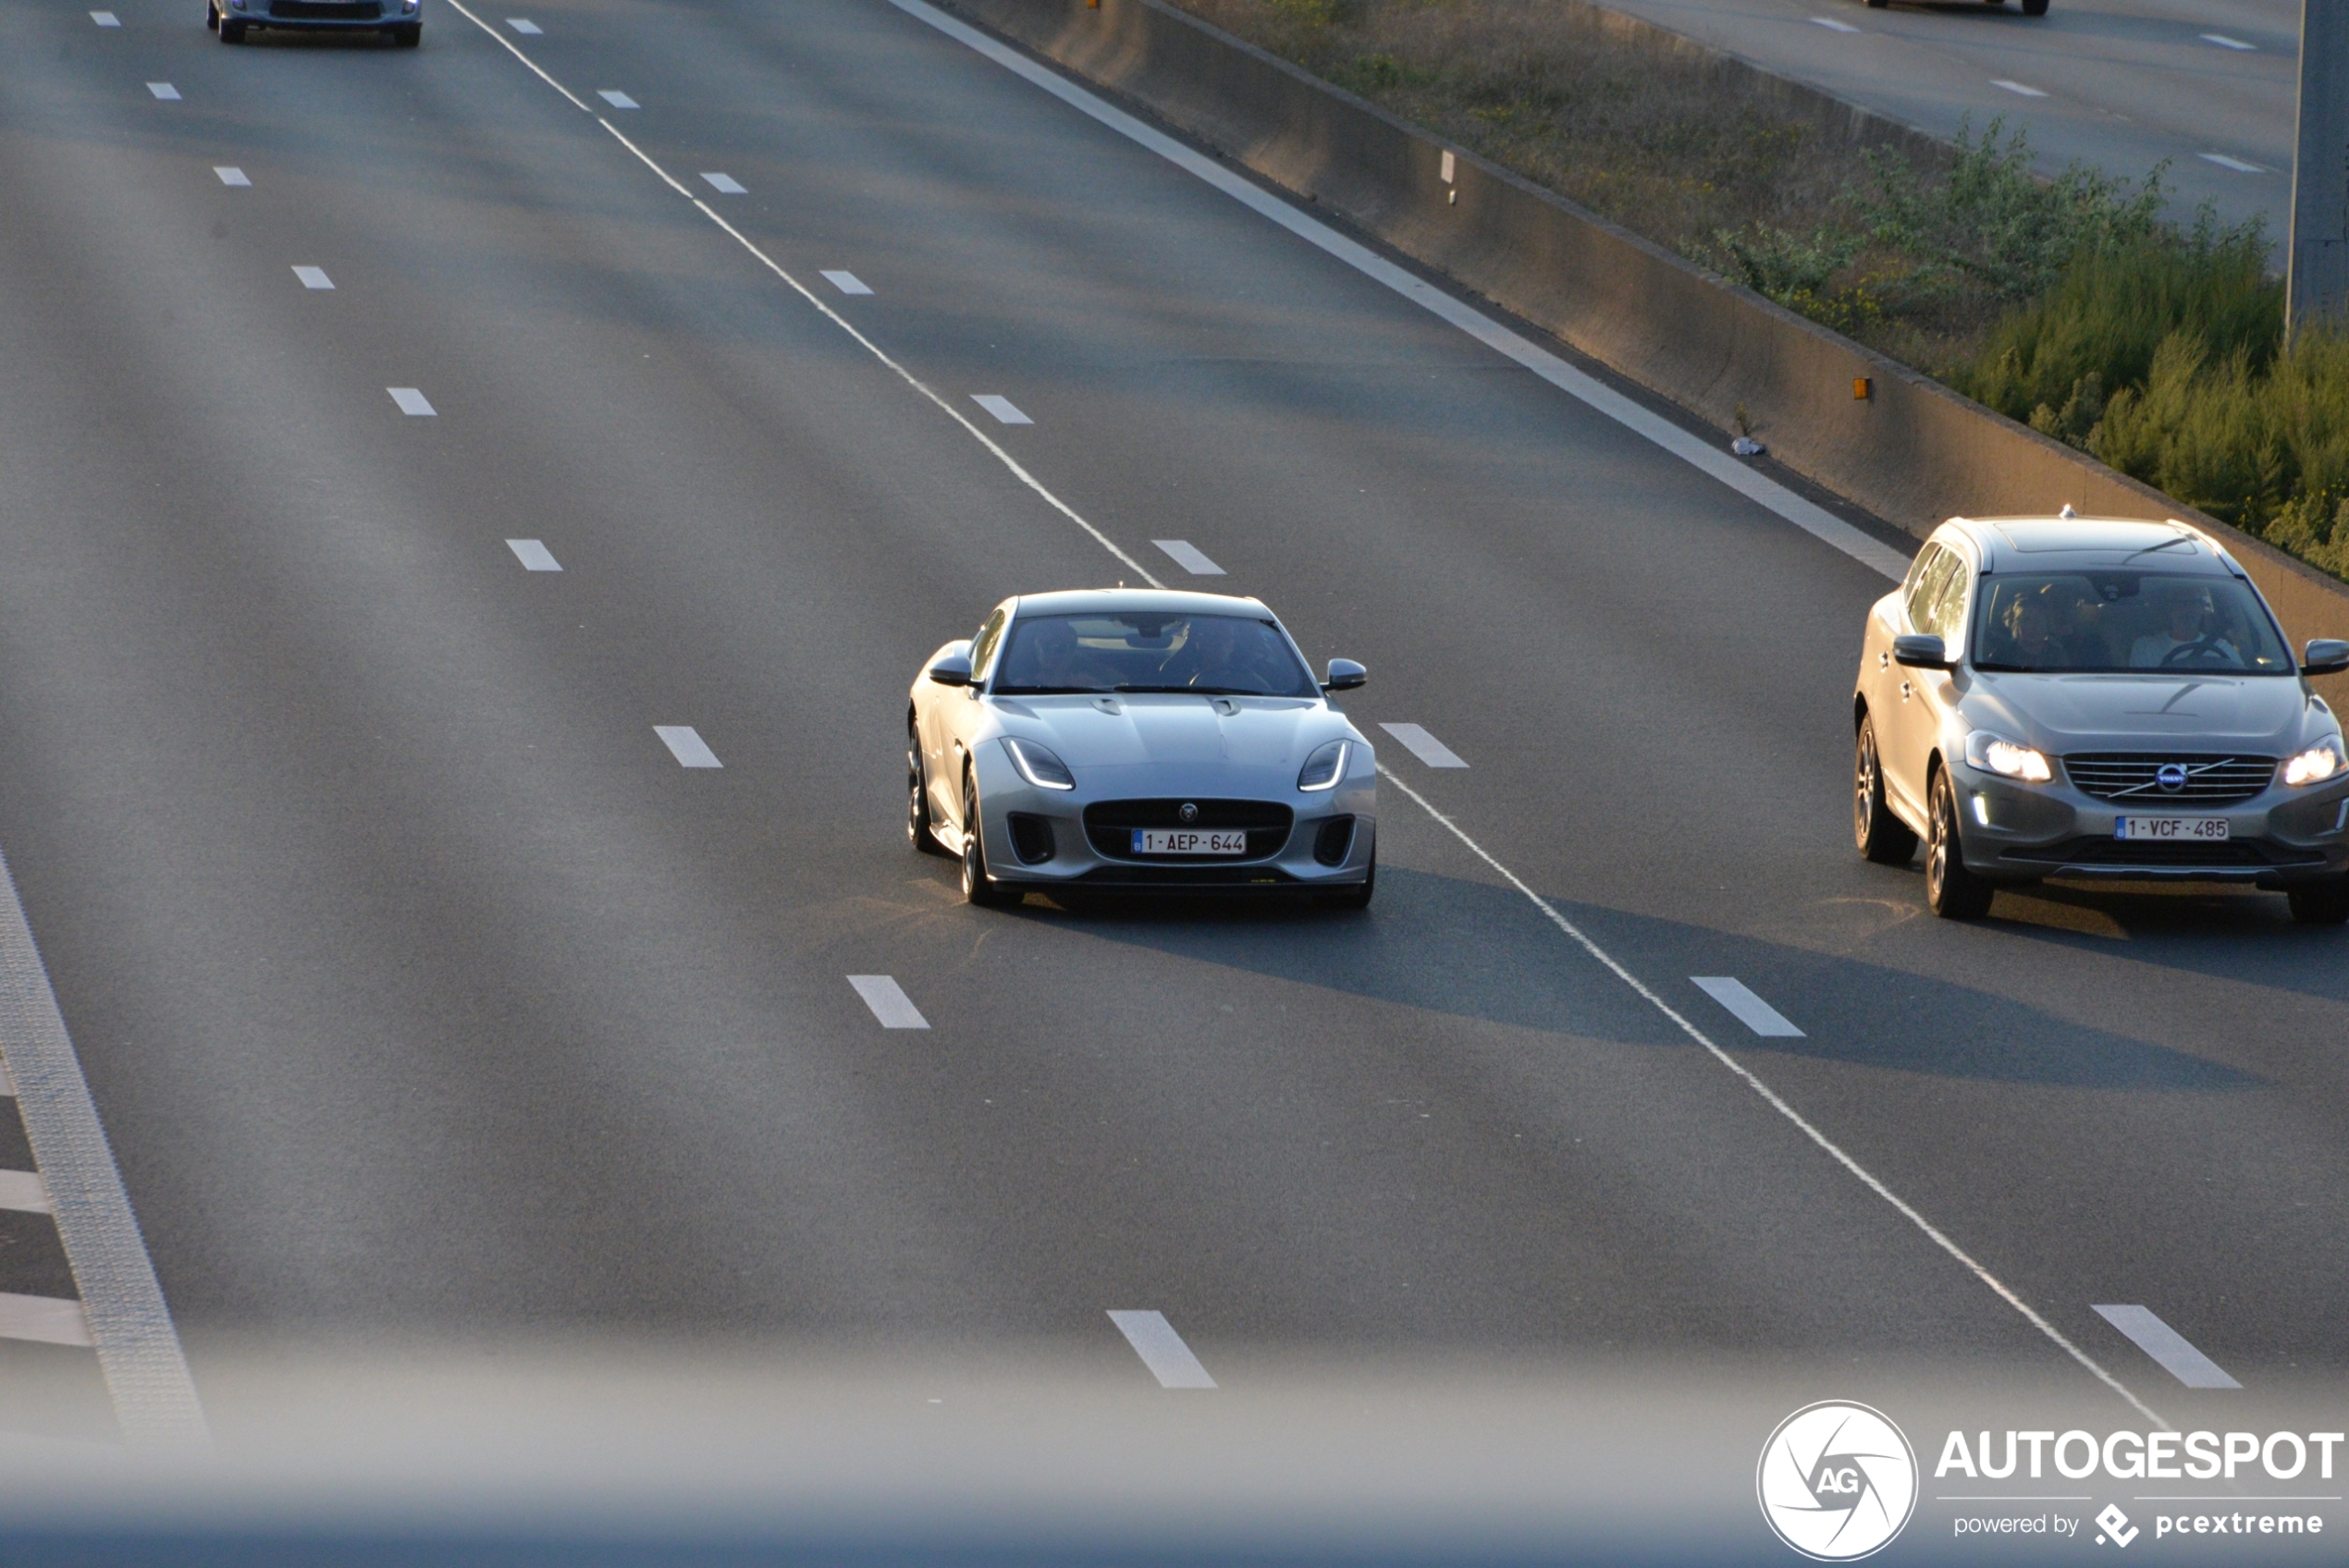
2073, 303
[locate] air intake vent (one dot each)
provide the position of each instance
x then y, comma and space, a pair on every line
326, 10
1031, 838
2150, 778
1335, 838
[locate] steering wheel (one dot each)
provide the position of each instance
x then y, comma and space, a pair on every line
2208, 650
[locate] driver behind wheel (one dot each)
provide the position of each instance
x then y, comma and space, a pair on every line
2187, 616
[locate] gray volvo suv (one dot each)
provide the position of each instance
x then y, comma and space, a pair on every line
400, 20
2095, 698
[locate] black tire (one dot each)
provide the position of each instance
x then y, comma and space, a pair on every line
917, 822
978, 887
1882, 837
1355, 897
408, 36
1954, 892
2034, 8
2320, 903
231, 30
211, 16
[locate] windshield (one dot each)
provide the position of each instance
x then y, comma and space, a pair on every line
1144, 651
2110, 621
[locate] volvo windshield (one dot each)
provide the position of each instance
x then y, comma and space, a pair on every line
2112, 622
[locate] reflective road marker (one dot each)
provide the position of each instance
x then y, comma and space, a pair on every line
724, 184
164, 91
2224, 41
524, 26
410, 401
105, 19
49, 1319
313, 278
1425, 746
686, 746
616, 98
846, 282
2166, 1345
533, 555
1003, 409
1750, 1009
2226, 162
2018, 88
1161, 1349
1834, 26
889, 1001
1190, 557
230, 174
24, 1192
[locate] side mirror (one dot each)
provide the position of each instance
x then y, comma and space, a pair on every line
2325, 657
1920, 651
1344, 675
954, 669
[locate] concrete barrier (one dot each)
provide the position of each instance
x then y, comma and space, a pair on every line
1913, 452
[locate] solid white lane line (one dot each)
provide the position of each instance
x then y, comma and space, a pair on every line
2168, 1346
846, 282
122, 1307
24, 1190
724, 184
2224, 41
616, 98
1189, 556
2017, 88
667, 179
1698, 452
1425, 746
524, 26
230, 174
105, 19
48, 1319
1770, 1098
412, 402
889, 1001
313, 278
164, 91
507, 45
533, 555
1161, 1349
2224, 162
1003, 408
1750, 1009
1834, 26
686, 746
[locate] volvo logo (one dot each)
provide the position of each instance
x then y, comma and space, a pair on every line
2173, 776
1189, 812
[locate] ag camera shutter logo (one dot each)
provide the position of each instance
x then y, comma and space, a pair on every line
1837, 1481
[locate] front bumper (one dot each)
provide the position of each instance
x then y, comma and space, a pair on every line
323, 16
2013, 832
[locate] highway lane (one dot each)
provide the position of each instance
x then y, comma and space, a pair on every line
2206, 86
426, 997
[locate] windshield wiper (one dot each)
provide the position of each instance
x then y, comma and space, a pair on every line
1199, 691
1053, 690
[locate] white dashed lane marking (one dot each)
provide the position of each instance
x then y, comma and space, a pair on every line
2225, 161
533, 555
313, 278
2224, 41
230, 174
105, 19
1750, 1009
2016, 87
524, 26
1834, 26
616, 98
846, 282
1161, 1349
1425, 746
1003, 408
24, 1192
49, 1319
164, 91
2166, 1345
410, 401
687, 747
889, 1001
1189, 556
724, 184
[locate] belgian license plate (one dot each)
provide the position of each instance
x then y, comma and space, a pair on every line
1185, 841
2197, 830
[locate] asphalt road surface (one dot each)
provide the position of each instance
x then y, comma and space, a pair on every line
2207, 87
428, 998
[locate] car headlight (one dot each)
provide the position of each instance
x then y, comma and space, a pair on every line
2315, 765
1995, 754
1325, 766
1038, 766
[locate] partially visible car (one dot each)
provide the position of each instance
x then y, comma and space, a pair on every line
2098, 698
400, 20
1138, 741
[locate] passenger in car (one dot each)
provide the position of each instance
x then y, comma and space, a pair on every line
2041, 632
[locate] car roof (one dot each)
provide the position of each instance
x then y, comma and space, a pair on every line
2073, 544
1165, 601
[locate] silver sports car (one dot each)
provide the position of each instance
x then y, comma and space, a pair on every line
2083, 697
1129, 739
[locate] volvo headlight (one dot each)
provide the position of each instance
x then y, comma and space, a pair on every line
1995, 754
2315, 765
1038, 766
1325, 766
